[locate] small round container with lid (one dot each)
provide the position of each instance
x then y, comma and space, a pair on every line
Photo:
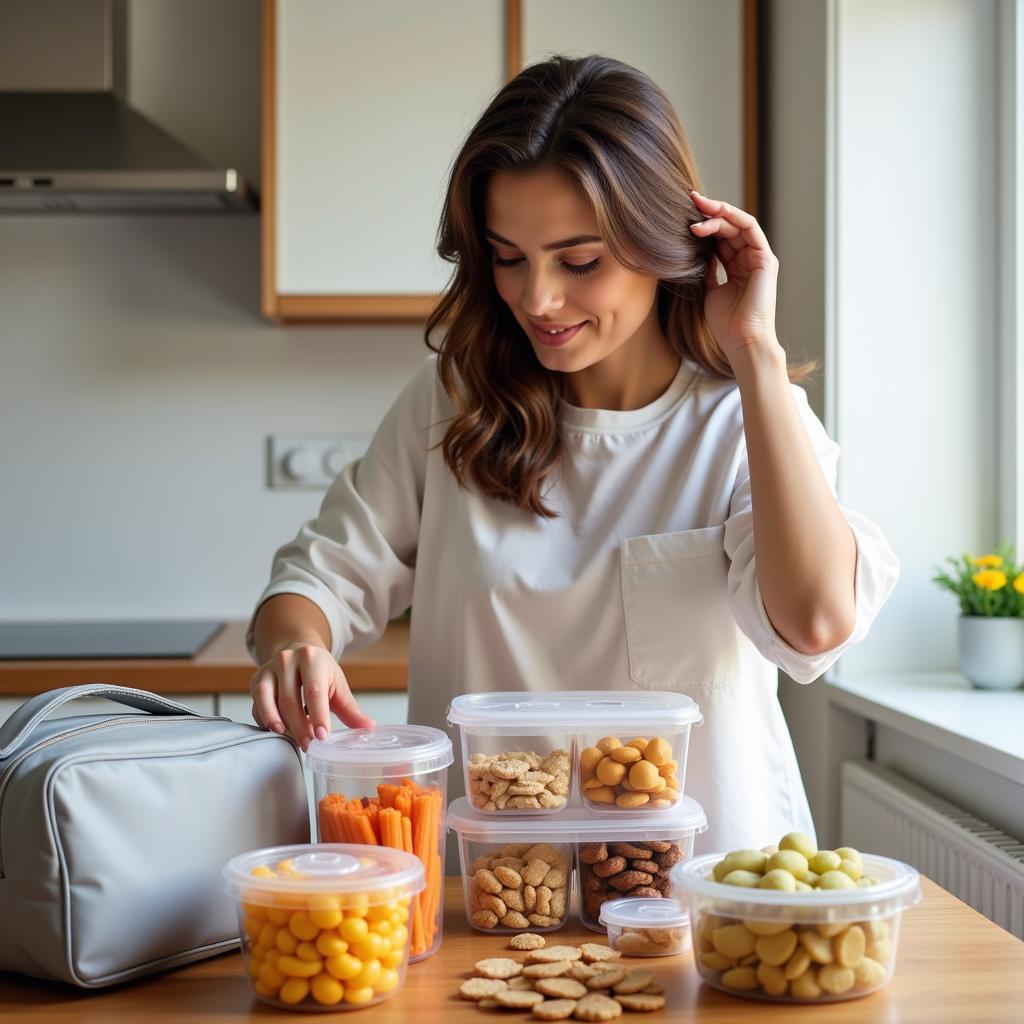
324, 927
519, 873
388, 787
818, 945
646, 927
539, 753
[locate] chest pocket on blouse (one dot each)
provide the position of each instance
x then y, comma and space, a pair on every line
680, 631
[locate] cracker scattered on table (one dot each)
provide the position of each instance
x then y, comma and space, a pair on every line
527, 940
554, 1009
554, 970
597, 1008
581, 971
520, 982
549, 954
518, 999
593, 952
607, 978
634, 981
497, 967
481, 988
560, 988
640, 1002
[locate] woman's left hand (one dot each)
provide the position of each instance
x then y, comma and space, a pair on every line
741, 311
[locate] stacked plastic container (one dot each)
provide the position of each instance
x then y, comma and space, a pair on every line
570, 793
388, 787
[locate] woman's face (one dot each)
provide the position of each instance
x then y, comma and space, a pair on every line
529, 217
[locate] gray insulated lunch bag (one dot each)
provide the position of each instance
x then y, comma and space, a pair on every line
114, 829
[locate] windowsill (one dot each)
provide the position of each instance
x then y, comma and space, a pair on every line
984, 727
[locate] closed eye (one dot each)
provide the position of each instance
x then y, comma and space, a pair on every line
573, 268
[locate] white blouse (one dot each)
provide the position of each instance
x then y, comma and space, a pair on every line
646, 580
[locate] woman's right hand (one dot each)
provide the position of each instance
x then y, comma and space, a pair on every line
298, 688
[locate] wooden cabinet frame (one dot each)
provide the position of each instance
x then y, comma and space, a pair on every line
397, 308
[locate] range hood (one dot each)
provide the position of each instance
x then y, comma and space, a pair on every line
82, 149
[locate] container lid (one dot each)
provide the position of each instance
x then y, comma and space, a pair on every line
570, 711
390, 750
898, 887
314, 868
644, 913
578, 824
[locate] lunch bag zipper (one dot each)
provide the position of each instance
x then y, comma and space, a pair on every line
50, 741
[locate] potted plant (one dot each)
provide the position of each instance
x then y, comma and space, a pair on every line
990, 589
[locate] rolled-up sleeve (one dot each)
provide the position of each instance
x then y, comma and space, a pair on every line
875, 574
356, 558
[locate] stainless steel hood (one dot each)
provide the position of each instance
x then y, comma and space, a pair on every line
87, 149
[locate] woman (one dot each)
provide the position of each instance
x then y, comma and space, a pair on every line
642, 501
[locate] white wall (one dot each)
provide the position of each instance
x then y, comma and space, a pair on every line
138, 381
916, 386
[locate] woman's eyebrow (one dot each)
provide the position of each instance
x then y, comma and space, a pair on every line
566, 243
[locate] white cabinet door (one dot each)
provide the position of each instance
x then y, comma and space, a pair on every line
370, 102
692, 49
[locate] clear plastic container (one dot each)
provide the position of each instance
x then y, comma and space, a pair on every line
540, 753
388, 786
324, 927
645, 927
507, 862
817, 946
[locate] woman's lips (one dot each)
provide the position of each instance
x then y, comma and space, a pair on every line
555, 340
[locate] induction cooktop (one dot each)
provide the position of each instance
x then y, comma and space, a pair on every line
148, 639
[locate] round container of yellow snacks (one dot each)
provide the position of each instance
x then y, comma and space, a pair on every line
811, 938
324, 927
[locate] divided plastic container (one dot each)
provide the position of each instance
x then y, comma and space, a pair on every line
522, 874
641, 927
388, 786
817, 946
324, 927
543, 753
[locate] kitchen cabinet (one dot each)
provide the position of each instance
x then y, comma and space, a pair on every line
216, 680
365, 106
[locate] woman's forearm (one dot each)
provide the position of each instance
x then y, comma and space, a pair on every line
287, 619
805, 549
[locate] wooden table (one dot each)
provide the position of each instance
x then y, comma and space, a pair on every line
952, 965
221, 666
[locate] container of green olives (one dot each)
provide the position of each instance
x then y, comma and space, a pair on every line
795, 924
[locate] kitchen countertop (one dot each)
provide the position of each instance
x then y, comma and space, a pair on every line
984, 727
221, 666
952, 965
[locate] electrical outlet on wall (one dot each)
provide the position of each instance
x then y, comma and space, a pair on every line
310, 461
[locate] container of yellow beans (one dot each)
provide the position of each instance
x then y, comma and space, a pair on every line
544, 753
828, 931
324, 927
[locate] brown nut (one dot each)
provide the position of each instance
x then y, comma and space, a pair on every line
607, 868
593, 853
628, 879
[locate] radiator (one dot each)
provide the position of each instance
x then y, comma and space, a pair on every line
884, 812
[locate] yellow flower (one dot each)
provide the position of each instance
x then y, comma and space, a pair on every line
990, 579
1018, 584
988, 562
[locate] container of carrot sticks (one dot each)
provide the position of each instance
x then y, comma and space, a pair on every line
388, 787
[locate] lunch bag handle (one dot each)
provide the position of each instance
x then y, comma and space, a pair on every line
20, 725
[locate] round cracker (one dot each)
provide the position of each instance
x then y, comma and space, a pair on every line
554, 1009
481, 988
561, 988
640, 1002
595, 1007
497, 967
519, 999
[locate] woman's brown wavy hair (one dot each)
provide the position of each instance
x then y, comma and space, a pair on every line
610, 128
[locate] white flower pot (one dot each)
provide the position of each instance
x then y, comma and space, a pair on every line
992, 651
